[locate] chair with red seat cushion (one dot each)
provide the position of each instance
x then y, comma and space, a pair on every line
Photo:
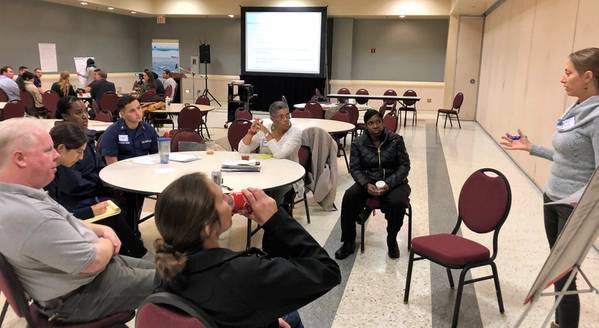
301, 113
343, 91
237, 130
13, 109
108, 102
409, 106
50, 100
304, 155
191, 118
204, 100
362, 101
186, 140
164, 309
103, 116
15, 295
483, 206
315, 109
390, 121
28, 101
243, 114
455, 110
374, 203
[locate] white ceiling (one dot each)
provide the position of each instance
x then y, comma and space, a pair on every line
338, 8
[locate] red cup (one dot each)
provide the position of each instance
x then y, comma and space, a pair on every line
245, 157
239, 202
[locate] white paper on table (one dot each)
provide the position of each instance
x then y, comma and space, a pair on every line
182, 157
569, 200
146, 160
48, 62
81, 68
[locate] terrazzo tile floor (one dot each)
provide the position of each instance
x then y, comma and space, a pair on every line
371, 293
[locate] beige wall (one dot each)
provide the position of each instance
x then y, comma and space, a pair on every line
525, 44
462, 62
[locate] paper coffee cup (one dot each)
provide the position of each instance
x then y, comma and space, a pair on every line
380, 184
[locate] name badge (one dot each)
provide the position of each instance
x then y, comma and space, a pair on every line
123, 138
567, 123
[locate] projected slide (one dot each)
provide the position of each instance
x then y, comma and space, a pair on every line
283, 42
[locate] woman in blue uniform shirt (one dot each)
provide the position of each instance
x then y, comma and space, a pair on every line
70, 142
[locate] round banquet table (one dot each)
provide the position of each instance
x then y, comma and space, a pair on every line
175, 108
331, 126
98, 126
328, 106
144, 174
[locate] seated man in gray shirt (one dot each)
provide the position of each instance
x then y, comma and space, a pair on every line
70, 268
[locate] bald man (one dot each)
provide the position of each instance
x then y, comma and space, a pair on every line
70, 268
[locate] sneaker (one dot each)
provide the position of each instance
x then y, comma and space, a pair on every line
392, 247
345, 250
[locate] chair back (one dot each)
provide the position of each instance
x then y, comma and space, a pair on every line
315, 109
169, 310
13, 290
485, 201
304, 155
27, 100
341, 115
390, 122
108, 102
343, 91
301, 113
149, 96
352, 111
389, 102
237, 130
203, 100
13, 109
185, 140
168, 92
242, 114
457, 101
362, 101
190, 118
3, 96
50, 100
103, 116
409, 102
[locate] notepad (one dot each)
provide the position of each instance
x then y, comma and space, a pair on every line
111, 210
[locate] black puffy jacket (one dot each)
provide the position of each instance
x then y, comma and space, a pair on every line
389, 162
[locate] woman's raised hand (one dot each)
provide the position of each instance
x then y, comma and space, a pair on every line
515, 142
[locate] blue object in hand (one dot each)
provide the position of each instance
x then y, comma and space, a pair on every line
515, 137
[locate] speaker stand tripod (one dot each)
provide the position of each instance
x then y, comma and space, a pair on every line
206, 92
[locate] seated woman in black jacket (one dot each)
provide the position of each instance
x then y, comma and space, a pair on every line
251, 288
378, 157
78, 186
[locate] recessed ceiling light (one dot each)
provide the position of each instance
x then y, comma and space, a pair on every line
134, 12
231, 16
402, 16
83, 3
110, 8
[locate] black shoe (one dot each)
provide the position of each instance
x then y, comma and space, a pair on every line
345, 250
392, 247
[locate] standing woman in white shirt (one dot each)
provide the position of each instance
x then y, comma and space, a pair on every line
280, 139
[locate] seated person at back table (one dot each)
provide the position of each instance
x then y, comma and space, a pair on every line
64, 87
376, 155
281, 139
70, 142
237, 289
70, 268
129, 137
